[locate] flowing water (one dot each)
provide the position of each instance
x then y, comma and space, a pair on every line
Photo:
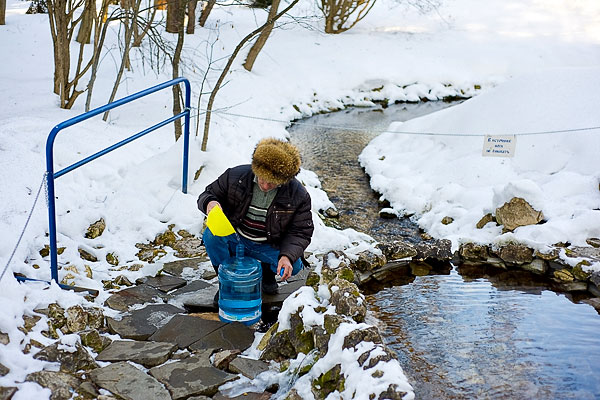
472, 333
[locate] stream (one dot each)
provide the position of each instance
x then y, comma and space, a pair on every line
470, 333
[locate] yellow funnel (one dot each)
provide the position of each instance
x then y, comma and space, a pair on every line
218, 223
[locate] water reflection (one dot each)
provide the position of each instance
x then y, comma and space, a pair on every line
471, 332
461, 339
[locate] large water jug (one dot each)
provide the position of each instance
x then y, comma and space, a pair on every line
240, 280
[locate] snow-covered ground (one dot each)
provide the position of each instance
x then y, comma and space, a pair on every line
537, 63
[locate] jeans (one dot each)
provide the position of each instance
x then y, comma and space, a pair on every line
220, 248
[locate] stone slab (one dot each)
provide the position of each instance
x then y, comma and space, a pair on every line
61, 385
184, 330
244, 396
176, 268
191, 377
230, 336
197, 296
293, 284
141, 294
164, 283
141, 324
248, 367
129, 383
148, 354
6, 393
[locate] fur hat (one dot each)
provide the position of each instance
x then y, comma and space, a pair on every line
275, 161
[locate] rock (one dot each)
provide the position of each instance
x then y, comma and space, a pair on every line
167, 238
112, 259
87, 390
128, 382
85, 255
420, 269
6, 393
148, 253
594, 242
575, 286
473, 252
383, 355
143, 323
76, 319
302, 340
550, 255
208, 274
345, 273
591, 253
92, 338
141, 294
222, 359
248, 367
368, 260
164, 283
188, 247
486, 219
537, 266
331, 213
439, 250
328, 382
594, 302
96, 229
517, 212
279, 347
392, 393
148, 354
4, 338
369, 334
347, 300
61, 385
516, 253
70, 361
563, 275
228, 336
176, 267
3, 370
388, 213
321, 340
185, 330
29, 322
579, 273
95, 318
397, 250
313, 279
447, 220
192, 376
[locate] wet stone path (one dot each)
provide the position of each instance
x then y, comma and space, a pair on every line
170, 327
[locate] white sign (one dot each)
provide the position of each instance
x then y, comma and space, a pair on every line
499, 146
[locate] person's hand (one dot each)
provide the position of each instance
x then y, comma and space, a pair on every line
286, 264
211, 205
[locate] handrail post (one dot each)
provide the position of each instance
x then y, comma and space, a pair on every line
51, 175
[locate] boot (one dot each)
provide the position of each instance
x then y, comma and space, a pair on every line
269, 284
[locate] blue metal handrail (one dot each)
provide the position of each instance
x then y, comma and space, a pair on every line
51, 175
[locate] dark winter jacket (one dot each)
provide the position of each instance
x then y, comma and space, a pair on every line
289, 219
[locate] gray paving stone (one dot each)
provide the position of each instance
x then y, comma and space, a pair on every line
230, 336
184, 330
141, 294
164, 283
248, 367
6, 393
198, 295
245, 396
192, 376
129, 383
141, 324
176, 267
293, 284
148, 354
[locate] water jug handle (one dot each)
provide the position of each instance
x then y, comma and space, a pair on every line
239, 251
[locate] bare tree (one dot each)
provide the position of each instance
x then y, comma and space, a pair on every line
177, 100
191, 24
63, 22
206, 9
87, 22
174, 7
225, 71
262, 39
2, 12
145, 23
341, 15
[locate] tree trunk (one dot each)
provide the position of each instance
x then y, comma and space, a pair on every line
262, 39
191, 24
2, 12
208, 6
175, 63
225, 71
174, 8
87, 22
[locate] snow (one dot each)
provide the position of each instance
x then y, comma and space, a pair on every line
532, 65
